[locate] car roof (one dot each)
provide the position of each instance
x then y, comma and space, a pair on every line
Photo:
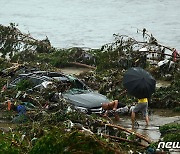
45, 75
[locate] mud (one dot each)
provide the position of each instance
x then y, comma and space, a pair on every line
160, 83
5, 125
74, 70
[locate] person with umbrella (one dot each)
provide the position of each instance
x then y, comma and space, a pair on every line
141, 84
143, 107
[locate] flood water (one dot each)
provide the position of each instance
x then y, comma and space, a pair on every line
92, 23
158, 118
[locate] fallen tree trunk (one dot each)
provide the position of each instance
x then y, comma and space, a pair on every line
126, 140
131, 132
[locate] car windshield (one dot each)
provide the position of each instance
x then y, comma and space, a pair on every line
33, 80
77, 87
76, 91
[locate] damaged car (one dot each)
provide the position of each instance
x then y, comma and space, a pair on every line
70, 88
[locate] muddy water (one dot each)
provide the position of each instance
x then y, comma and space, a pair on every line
157, 118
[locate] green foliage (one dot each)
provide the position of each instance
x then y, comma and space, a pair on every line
13, 41
168, 128
9, 39
9, 145
154, 145
60, 58
120, 54
24, 85
167, 97
176, 109
169, 133
63, 115
4, 64
172, 137
48, 144
57, 142
24, 56
3, 81
132, 137
7, 148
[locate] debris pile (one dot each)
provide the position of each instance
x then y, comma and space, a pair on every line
43, 117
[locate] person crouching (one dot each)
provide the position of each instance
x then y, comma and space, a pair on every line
113, 105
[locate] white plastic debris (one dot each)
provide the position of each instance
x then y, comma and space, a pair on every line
163, 62
22, 137
143, 49
46, 83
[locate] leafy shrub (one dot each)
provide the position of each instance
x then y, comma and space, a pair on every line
172, 137
57, 142
176, 109
169, 128
24, 85
7, 148
8, 145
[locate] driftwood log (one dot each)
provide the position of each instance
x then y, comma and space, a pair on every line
126, 140
130, 132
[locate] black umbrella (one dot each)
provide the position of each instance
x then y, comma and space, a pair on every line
139, 83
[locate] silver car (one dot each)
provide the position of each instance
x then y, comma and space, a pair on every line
79, 94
